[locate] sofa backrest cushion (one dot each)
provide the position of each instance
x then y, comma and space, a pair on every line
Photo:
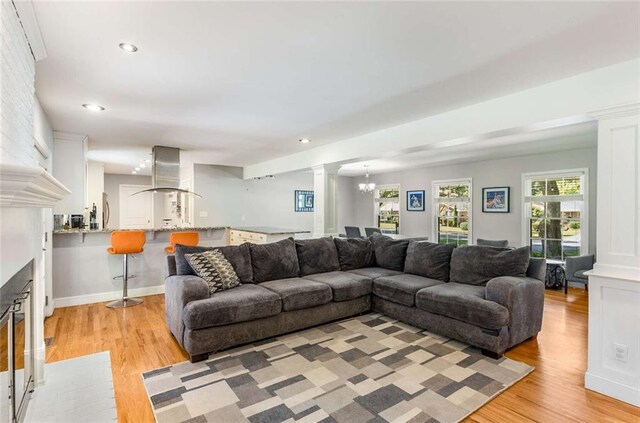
429, 260
390, 253
317, 256
498, 243
355, 253
276, 260
238, 255
476, 265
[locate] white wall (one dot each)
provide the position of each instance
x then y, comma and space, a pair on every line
228, 200
488, 173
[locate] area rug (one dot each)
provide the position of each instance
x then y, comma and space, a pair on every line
77, 390
369, 368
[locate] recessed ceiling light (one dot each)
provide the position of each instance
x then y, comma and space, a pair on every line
142, 165
305, 140
148, 161
137, 169
128, 47
93, 107
134, 172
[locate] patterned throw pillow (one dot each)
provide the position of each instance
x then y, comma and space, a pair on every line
215, 269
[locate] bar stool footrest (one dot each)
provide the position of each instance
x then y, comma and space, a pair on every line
125, 302
128, 277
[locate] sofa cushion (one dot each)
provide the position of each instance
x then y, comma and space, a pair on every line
317, 256
273, 261
428, 259
462, 302
354, 253
476, 265
297, 293
374, 272
215, 269
402, 289
241, 304
238, 255
498, 243
390, 253
345, 285
580, 274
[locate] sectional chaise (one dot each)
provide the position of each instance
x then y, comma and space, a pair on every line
491, 298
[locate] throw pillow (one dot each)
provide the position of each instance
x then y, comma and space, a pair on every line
354, 253
238, 255
317, 256
476, 265
215, 269
390, 253
276, 260
429, 260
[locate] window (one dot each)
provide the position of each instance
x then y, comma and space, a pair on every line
387, 208
555, 213
452, 211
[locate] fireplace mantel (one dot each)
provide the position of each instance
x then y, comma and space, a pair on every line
29, 186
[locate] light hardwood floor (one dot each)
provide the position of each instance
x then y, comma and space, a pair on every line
139, 340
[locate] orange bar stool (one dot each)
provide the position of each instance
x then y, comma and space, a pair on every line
125, 243
183, 238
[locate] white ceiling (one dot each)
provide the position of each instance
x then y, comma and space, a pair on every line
238, 83
499, 146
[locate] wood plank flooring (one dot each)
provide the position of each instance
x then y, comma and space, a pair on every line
139, 340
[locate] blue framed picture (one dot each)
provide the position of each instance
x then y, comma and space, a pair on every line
303, 201
495, 200
415, 200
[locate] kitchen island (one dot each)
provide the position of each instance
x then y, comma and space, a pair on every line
83, 272
262, 234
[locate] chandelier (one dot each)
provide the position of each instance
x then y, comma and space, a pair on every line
367, 186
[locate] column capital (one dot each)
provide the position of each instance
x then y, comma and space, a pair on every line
327, 167
623, 110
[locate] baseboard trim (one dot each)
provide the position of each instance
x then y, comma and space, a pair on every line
612, 389
106, 296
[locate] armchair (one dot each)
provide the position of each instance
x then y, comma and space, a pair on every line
576, 267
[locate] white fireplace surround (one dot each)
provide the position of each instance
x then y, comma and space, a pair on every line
29, 186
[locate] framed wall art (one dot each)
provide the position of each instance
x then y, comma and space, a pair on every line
415, 200
495, 200
303, 201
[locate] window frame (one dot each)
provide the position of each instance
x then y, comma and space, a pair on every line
376, 210
435, 192
583, 173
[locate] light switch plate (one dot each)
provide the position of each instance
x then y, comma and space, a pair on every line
204, 214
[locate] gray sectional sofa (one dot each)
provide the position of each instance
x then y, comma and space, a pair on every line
488, 297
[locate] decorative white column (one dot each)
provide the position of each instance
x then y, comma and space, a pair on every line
614, 283
325, 187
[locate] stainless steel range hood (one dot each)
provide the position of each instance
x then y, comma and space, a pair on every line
165, 171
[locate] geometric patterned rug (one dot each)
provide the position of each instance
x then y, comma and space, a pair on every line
369, 368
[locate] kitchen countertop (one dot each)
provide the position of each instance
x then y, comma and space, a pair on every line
267, 230
91, 231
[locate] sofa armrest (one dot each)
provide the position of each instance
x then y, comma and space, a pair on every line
524, 298
574, 264
170, 266
179, 290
